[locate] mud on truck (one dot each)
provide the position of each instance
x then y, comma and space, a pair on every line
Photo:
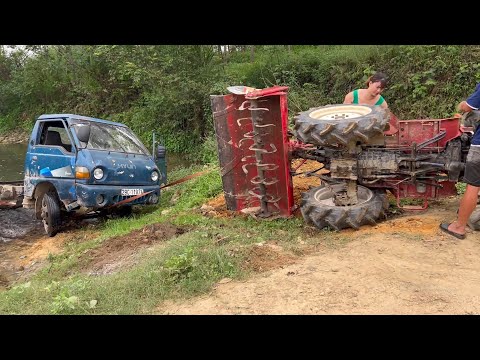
78, 165
362, 152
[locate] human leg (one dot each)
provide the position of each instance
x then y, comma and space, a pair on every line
467, 205
470, 198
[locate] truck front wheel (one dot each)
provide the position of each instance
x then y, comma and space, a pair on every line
50, 213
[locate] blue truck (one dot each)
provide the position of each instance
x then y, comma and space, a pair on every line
76, 163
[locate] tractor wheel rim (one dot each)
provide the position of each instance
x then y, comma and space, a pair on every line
340, 112
324, 196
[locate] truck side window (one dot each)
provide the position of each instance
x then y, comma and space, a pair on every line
55, 134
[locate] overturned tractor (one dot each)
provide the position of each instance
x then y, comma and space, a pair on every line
366, 151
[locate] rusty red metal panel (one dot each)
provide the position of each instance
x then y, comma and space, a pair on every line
411, 191
253, 151
225, 110
403, 133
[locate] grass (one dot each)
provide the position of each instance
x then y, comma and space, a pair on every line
460, 188
184, 266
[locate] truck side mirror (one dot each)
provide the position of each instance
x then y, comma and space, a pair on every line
83, 133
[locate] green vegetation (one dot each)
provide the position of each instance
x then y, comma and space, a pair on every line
461, 188
166, 88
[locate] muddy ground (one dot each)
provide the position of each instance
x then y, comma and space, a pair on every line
404, 265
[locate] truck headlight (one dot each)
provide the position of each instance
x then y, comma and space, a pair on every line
154, 175
98, 173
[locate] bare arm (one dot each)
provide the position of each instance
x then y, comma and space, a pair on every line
348, 98
463, 107
384, 105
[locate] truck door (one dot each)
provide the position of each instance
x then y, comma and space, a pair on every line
52, 158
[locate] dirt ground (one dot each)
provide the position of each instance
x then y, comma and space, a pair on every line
404, 265
401, 266
23, 256
121, 252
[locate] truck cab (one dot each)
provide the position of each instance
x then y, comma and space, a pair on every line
78, 163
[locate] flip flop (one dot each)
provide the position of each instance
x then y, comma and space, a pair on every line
444, 228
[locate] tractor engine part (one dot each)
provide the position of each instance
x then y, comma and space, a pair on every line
366, 147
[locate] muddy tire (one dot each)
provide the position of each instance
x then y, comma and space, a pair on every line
318, 208
340, 124
50, 214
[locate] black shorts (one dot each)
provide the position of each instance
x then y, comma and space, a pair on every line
472, 167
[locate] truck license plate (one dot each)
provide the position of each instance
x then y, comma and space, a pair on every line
128, 192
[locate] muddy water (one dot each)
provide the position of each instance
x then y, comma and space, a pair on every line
12, 157
16, 223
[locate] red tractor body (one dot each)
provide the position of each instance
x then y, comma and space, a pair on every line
365, 150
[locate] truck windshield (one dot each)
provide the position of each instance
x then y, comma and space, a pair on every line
113, 138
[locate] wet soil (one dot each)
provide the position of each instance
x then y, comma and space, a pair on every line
24, 246
16, 223
122, 252
29, 249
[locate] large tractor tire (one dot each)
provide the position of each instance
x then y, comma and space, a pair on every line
340, 124
319, 209
51, 216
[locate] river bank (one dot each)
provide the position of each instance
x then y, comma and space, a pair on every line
14, 137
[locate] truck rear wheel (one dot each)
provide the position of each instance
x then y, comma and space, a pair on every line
340, 124
50, 213
318, 208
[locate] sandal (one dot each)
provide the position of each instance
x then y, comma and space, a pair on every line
444, 228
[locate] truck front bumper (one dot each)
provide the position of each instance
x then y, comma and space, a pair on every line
100, 196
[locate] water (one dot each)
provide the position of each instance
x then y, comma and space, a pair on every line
12, 157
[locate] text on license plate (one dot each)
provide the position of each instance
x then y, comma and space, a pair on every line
128, 192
